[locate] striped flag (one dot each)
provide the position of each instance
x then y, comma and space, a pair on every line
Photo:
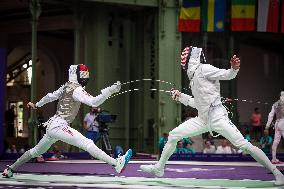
243, 15
213, 15
268, 15
189, 20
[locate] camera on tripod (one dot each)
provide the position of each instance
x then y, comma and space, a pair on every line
103, 118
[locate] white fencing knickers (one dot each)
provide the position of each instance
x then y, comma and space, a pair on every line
220, 123
58, 129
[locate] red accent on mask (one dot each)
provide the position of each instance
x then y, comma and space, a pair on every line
83, 67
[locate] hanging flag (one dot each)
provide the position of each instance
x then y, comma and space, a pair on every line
213, 15
189, 20
243, 15
268, 15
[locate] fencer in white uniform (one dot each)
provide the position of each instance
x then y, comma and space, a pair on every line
212, 115
278, 111
70, 96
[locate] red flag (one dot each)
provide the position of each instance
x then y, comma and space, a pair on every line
273, 16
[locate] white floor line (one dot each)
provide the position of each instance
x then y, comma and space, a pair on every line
254, 164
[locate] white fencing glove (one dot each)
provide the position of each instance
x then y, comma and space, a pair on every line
175, 94
185, 99
107, 92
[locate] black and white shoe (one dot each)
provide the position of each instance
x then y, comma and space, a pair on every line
8, 172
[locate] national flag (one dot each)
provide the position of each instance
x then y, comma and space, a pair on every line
243, 15
189, 20
268, 15
213, 15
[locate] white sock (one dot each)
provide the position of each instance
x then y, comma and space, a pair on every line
168, 150
99, 154
261, 158
23, 159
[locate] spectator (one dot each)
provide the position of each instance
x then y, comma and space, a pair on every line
224, 148
57, 154
266, 141
209, 148
189, 149
187, 141
118, 151
255, 121
10, 121
210, 139
12, 150
180, 149
39, 159
247, 136
22, 150
163, 140
92, 125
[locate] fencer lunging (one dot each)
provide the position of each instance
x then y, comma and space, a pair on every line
278, 111
70, 96
212, 115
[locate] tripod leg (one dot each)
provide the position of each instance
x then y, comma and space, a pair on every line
106, 144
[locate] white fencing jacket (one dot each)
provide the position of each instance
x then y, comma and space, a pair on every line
205, 87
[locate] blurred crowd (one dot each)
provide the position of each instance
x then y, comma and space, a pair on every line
254, 131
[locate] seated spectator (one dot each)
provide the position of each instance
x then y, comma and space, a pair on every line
187, 141
266, 141
209, 148
25, 148
12, 150
118, 150
39, 159
247, 136
57, 154
163, 140
210, 139
180, 149
22, 150
189, 149
224, 148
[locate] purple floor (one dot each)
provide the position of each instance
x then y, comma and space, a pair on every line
132, 170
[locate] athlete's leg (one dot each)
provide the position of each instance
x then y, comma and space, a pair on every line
43, 145
280, 128
189, 128
223, 125
71, 136
277, 138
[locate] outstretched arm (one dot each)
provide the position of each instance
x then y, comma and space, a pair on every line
213, 73
50, 97
81, 95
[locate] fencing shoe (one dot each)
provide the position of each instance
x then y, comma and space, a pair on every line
152, 169
279, 180
122, 161
8, 172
